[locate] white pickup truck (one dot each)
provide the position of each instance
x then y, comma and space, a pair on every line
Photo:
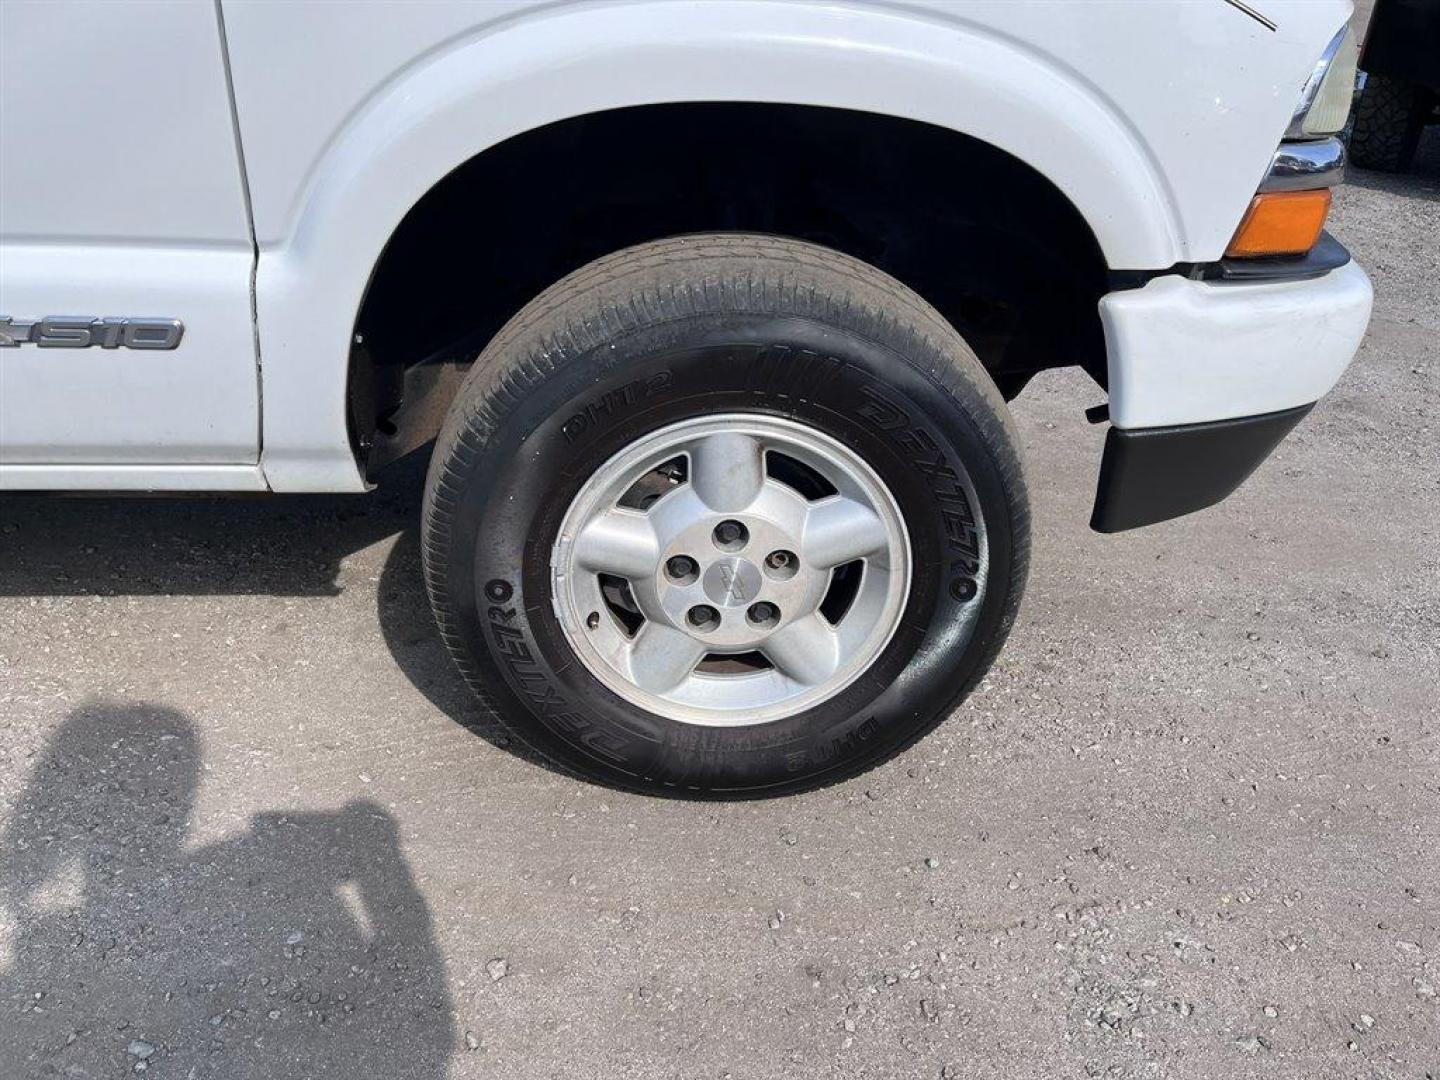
711, 310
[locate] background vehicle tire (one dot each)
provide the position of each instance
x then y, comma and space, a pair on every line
854, 392
1389, 119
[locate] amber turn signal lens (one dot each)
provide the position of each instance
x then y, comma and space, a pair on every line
1281, 223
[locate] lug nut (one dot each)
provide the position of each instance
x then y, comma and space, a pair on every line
781, 564
764, 614
703, 617
731, 535
681, 569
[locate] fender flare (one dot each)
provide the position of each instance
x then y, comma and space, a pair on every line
500, 80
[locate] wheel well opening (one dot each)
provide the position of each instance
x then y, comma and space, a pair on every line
986, 239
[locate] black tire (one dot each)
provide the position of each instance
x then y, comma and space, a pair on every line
1389, 120
687, 327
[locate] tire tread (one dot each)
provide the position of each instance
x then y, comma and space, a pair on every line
1389, 119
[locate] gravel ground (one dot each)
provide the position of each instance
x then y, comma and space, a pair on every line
1189, 827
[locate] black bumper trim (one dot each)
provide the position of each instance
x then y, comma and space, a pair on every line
1327, 254
1154, 474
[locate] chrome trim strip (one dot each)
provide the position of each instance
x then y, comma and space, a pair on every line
1303, 166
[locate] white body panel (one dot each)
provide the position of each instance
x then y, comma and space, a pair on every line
117, 124
196, 404
1107, 99
1184, 352
1155, 119
121, 194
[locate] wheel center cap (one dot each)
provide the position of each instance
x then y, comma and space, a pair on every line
732, 582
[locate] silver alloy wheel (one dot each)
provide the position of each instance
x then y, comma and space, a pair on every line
695, 573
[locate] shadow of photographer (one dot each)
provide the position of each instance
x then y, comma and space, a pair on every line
300, 947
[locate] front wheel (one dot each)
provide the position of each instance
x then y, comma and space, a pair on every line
725, 515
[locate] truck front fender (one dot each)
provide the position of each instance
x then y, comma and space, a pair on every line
400, 106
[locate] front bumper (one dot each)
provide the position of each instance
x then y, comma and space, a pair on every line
1206, 378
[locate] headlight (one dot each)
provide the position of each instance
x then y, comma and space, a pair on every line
1325, 101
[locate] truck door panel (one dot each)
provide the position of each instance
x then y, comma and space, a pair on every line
121, 196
